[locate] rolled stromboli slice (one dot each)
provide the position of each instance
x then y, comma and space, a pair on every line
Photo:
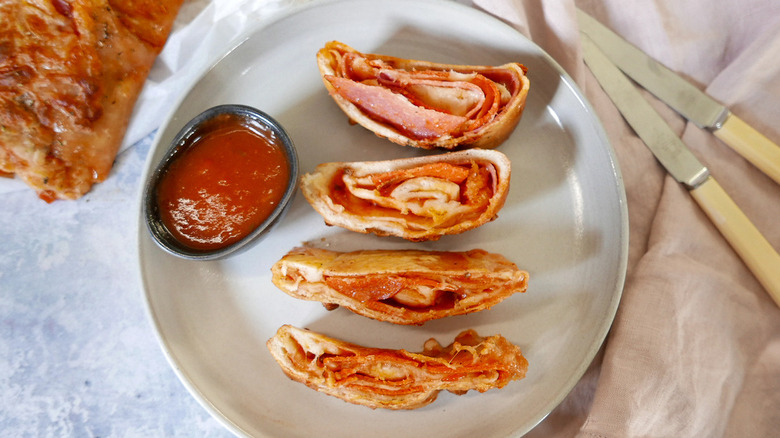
396, 379
406, 287
425, 104
418, 199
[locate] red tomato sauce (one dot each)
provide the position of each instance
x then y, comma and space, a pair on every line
224, 185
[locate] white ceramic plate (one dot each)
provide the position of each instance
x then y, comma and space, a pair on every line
564, 221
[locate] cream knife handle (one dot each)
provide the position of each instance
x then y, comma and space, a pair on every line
752, 145
759, 256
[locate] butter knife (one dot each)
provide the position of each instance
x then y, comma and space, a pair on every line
751, 246
683, 97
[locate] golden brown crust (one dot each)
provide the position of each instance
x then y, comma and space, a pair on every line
400, 286
418, 199
443, 105
70, 73
396, 379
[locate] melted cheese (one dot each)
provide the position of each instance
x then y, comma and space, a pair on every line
427, 197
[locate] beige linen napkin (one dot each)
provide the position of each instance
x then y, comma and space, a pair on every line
695, 348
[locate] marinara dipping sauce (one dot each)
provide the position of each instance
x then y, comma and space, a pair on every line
226, 179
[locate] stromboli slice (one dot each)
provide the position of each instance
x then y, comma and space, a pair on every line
418, 199
406, 287
425, 104
396, 379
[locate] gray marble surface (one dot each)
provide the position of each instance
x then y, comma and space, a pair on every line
78, 355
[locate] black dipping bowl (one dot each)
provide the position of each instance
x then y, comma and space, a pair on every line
160, 232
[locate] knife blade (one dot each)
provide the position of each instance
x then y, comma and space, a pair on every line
751, 246
683, 97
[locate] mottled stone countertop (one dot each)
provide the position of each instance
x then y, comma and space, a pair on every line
78, 355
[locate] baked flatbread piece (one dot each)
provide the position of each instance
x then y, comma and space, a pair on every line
418, 199
400, 286
70, 73
425, 104
396, 379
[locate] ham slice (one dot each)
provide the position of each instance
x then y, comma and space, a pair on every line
396, 110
